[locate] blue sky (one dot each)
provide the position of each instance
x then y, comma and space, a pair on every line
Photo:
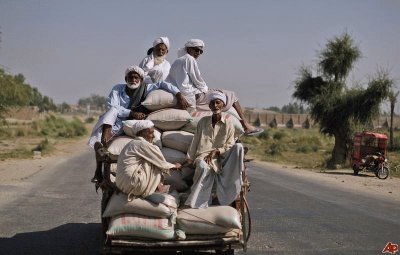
72, 49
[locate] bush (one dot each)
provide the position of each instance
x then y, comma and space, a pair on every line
59, 127
89, 120
264, 135
275, 149
44, 146
279, 135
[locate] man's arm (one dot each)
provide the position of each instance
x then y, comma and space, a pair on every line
114, 101
195, 76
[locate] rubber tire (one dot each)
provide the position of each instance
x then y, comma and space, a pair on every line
383, 173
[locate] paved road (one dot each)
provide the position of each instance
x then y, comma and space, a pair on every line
56, 212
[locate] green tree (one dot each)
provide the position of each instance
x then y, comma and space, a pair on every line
392, 99
95, 101
335, 107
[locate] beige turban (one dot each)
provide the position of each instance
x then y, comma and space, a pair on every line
139, 125
163, 40
217, 95
135, 69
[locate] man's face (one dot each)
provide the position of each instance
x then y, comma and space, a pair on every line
148, 134
133, 78
160, 50
216, 106
195, 51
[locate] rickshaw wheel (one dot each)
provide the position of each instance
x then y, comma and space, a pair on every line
383, 173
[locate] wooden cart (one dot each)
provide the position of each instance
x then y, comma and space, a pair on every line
221, 244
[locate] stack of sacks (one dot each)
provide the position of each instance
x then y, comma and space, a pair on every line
153, 217
174, 131
211, 220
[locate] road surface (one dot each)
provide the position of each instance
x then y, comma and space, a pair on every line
56, 211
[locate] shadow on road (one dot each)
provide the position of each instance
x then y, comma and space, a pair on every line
71, 238
360, 174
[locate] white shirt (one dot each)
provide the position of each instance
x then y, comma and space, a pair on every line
185, 74
147, 64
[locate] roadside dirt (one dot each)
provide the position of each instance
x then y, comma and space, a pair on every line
14, 171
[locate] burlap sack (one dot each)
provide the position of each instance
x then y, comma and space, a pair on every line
118, 144
187, 173
141, 226
169, 119
173, 156
178, 140
176, 181
156, 205
212, 220
159, 99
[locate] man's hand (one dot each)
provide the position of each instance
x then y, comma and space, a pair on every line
177, 166
182, 102
136, 115
213, 154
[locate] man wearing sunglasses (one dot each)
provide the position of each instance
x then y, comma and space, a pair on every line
185, 74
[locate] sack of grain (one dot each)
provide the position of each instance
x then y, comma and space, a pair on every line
173, 156
159, 99
156, 205
118, 144
178, 140
212, 220
169, 119
141, 226
230, 114
187, 173
176, 181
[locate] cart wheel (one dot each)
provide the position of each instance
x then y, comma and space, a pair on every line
246, 220
383, 173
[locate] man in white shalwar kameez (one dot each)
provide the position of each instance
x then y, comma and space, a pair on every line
218, 159
155, 66
141, 163
124, 102
185, 74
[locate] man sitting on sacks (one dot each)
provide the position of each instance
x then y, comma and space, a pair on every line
124, 102
141, 164
218, 159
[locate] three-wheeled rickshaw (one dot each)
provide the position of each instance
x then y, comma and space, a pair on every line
369, 153
220, 243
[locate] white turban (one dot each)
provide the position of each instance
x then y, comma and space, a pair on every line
188, 44
163, 40
139, 125
135, 69
217, 95
194, 43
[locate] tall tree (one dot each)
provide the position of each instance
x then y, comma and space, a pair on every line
392, 99
335, 107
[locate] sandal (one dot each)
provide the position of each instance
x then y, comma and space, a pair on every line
254, 132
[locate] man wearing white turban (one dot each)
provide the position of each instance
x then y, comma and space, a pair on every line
155, 66
141, 164
124, 102
216, 156
185, 74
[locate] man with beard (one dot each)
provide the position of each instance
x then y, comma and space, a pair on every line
216, 156
154, 65
141, 164
123, 103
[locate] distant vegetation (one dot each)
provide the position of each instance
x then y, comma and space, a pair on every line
15, 92
291, 108
94, 101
